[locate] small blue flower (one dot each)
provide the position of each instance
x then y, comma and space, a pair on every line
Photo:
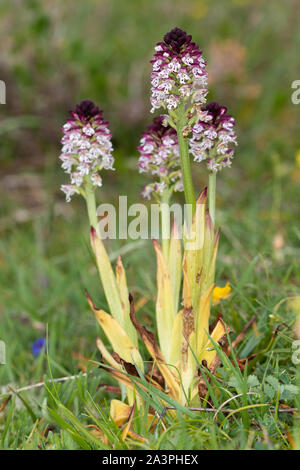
38, 346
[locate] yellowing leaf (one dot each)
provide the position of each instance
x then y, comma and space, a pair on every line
208, 353
183, 340
221, 293
106, 355
176, 340
124, 294
164, 304
193, 254
208, 255
119, 412
119, 340
138, 437
107, 278
186, 290
188, 365
211, 275
202, 323
188, 338
117, 372
150, 343
129, 423
98, 433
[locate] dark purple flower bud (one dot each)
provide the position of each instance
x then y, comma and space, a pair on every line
87, 147
214, 137
177, 39
159, 155
87, 110
178, 72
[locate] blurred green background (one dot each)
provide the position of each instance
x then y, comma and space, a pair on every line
56, 53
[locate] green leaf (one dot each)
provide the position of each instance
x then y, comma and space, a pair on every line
253, 381
269, 391
108, 279
174, 264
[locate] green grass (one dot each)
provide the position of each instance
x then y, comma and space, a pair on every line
47, 263
45, 258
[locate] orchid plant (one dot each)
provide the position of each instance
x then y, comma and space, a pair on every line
189, 127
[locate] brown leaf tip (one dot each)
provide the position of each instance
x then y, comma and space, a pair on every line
208, 221
87, 294
203, 196
217, 236
89, 299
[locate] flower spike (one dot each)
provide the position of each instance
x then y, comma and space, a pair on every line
159, 155
178, 72
87, 148
214, 137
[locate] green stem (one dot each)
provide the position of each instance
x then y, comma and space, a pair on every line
91, 205
186, 169
165, 225
212, 180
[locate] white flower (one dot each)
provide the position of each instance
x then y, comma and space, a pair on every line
76, 178
164, 73
107, 162
199, 96
69, 191
174, 66
172, 101
83, 144
157, 64
148, 148
68, 148
75, 136
167, 141
67, 126
146, 193
83, 169
212, 165
185, 91
187, 59
67, 163
201, 62
211, 133
229, 125
198, 128
183, 76
88, 130
96, 179
159, 187
197, 72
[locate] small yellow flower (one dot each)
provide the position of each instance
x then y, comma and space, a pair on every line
221, 293
298, 158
